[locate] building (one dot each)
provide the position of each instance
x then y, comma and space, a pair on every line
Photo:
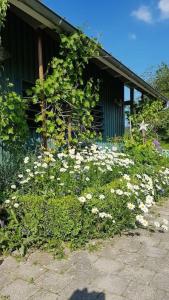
30, 40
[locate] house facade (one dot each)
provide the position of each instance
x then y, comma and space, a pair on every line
31, 38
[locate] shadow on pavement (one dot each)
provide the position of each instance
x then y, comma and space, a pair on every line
85, 295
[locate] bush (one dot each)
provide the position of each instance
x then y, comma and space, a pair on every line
44, 212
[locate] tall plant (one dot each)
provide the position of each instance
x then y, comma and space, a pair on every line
69, 98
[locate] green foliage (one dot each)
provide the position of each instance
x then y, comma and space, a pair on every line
13, 125
68, 99
148, 112
163, 125
3, 9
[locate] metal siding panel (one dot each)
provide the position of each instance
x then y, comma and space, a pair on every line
113, 113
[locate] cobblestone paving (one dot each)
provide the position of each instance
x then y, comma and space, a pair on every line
134, 266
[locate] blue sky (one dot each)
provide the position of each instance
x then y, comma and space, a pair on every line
135, 31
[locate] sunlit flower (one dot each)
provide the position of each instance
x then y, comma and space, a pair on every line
130, 206
164, 227
102, 197
82, 199
62, 170
26, 160
119, 192
52, 177
16, 205
13, 186
44, 165
7, 201
88, 196
95, 210
20, 176
157, 224
143, 207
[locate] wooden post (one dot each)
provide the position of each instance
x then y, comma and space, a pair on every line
142, 97
132, 100
41, 77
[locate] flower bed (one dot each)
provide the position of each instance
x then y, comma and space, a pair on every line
80, 195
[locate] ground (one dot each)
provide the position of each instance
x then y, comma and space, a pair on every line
133, 266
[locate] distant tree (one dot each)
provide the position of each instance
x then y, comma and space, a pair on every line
159, 78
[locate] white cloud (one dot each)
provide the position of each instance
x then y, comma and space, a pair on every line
132, 36
143, 13
163, 5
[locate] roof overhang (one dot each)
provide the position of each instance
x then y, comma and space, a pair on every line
46, 18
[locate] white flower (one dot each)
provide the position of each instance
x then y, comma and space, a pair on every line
40, 156
164, 227
31, 175
7, 201
26, 160
119, 192
109, 168
58, 179
112, 191
82, 199
95, 210
14, 197
127, 177
62, 170
87, 179
144, 223
20, 176
52, 177
130, 206
28, 170
86, 168
88, 196
102, 197
165, 222
44, 165
157, 224
16, 205
13, 186
143, 207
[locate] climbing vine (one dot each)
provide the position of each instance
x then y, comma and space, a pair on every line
69, 97
3, 9
13, 124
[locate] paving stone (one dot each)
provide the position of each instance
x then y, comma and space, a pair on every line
53, 282
5, 279
161, 281
9, 264
138, 291
137, 274
112, 284
19, 290
27, 271
41, 258
44, 295
108, 265
153, 252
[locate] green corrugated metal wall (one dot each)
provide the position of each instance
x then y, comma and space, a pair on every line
21, 42
112, 97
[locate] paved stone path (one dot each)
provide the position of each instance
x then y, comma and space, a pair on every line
133, 266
